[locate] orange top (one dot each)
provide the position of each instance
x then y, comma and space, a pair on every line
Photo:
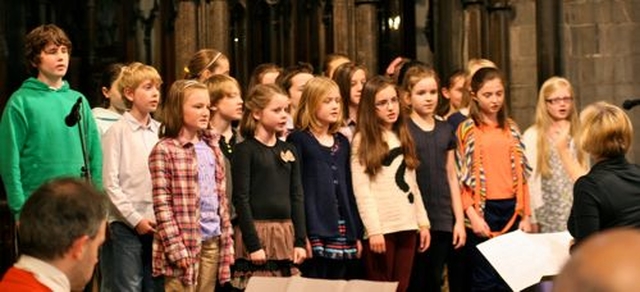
496, 145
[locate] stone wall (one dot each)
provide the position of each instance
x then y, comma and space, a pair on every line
600, 47
601, 53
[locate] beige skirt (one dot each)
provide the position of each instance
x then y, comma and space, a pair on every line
276, 237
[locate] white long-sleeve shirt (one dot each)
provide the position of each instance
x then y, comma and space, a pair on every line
126, 147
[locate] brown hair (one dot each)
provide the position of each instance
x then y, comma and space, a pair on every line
284, 79
444, 104
478, 80
257, 100
315, 91
473, 65
373, 149
327, 68
205, 59
110, 75
342, 76
261, 70
38, 39
220, 86
413, 75
173, 107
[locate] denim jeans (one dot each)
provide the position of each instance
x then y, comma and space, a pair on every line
125, 260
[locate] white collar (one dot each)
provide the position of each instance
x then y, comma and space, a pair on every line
45, 273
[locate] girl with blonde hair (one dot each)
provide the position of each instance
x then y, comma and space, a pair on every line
333, 225
552, 153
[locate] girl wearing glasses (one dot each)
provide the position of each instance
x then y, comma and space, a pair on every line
555, 160
493, 174
383, 168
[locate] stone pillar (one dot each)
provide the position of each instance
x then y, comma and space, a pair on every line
218, 27
185, 40
448, 36
473, 25
344, 27
367, 35
548, 35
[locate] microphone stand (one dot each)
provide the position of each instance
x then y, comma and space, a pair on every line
85, 171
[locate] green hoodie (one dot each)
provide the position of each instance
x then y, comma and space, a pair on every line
36, 145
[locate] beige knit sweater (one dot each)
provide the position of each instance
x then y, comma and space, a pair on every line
383, 206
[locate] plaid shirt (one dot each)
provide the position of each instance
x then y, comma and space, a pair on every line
174, 173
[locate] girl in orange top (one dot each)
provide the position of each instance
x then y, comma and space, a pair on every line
493, 172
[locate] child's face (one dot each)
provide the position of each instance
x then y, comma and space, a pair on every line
297, 86
145, 97
357, 82
424, 96
387, 106
560, 104
230, 106
54, 62
115, 98
490, 97
195, 110
455, 92
273, 118
328, 110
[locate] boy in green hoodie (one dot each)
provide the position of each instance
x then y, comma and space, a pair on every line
36, 143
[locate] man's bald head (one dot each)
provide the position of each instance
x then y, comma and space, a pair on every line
608, 261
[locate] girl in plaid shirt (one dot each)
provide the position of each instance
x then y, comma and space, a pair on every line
193, 243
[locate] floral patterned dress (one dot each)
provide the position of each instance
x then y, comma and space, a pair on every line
557, 195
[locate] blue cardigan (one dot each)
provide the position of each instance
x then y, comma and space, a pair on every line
326, 181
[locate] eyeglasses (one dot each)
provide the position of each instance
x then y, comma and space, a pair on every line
385, 103
559, 100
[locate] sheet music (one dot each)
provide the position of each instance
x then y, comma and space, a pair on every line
522, 259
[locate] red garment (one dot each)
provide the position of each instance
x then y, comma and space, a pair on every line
17, 280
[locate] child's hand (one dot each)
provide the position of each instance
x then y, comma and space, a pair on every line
459, 235
425, 239
183, 263
145, 226
376, 243
479, 226
308, 249
358, 249
258, 257
299, 254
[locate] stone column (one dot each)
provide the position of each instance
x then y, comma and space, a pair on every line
344, 27
367, 36
548, 35
473, 25
219, 26
185, 40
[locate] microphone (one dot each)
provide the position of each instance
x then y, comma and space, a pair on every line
74, 115
630, 103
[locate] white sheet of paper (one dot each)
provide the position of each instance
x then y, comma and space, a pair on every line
296, 283
522, 259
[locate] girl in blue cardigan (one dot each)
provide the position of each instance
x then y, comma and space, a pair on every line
333, 225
